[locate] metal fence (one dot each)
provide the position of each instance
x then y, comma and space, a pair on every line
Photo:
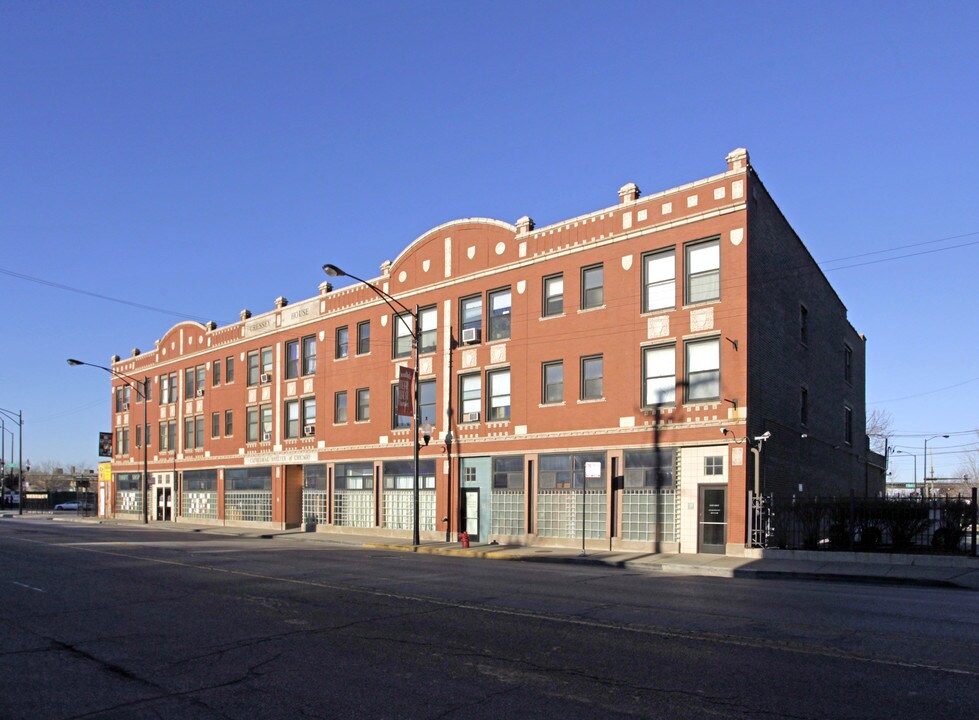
943, 525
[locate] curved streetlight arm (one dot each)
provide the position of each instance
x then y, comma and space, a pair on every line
128, 379
334, 271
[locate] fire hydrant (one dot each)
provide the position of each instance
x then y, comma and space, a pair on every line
464, 539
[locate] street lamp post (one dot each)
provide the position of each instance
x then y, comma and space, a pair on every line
416, 420
140, 394
914, 457
924, 466
20, 455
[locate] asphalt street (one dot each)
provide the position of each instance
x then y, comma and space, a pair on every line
114, 622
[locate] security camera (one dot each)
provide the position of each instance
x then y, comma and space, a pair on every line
724, 431
763, 437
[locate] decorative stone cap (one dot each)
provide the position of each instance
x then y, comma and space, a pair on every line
116, 358
628, 193
245, 314
280, 302
737, 159
326, 287
211, 325
135, 352
525, 225
386, 268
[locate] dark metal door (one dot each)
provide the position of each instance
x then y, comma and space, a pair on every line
712, 535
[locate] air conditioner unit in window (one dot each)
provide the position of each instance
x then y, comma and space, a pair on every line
266, 378
470, 336
470, 417
309, 430
200, 393
266, 437
125, 407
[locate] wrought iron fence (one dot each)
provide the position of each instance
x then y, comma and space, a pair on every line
945, 525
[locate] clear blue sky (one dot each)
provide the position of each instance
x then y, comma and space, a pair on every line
201, 158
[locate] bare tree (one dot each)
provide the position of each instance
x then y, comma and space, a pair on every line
969, 467
879, 427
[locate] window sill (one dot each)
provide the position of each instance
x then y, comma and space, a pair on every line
590, 401
581, 311
702, 303
551, 317
553, 404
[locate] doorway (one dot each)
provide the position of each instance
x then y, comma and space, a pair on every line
471, 512
712, 525
164, 503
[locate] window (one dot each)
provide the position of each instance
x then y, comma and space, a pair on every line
229, 424
567, 471
147, 386
592, 377
309, 355
251, 424
592, 287
659, 375
714, 465
229, 370
470, 397
552, 382
364, 337
397, 421
168, 389
148, 435
553, 295
848, 363
426, 400
139, 436
292, 419
188, 433
848, 425
343, 340
804, 324
804, 406
402, 334
427, 329
363, 404
168, 435
199, 431
340, 407
122, 441
216, 373
292, 359
215, 425
703, 280
498, 395
499, 314
122, 398
471, 313
703, 372
188, 383
266, 361
252, 367
308, 412
508, 472
659, 280
649, 468
266, 417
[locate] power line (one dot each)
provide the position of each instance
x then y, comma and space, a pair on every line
80, 291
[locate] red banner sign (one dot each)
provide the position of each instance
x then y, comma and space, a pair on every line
406, 391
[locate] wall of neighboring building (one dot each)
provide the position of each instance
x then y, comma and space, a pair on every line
799, 343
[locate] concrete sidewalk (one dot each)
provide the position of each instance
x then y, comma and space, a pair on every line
923, 570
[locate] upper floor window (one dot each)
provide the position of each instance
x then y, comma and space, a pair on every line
308, 413
147, 389
552, 382
229, 369
703, 371
292, 359
292, 419
168, 389
470, 397
499, 313
229, 423
267, 361
848, 425
804, 324
848, 363
122, 398
471, 318
188, 383
592, 377
553, 295
251, 368
427, 329
216, 372
363, 405
498, 394
343, 342
363, 337
804, 406
659, 280
592, 286
659, 375
703, 280
309, 355
402, 329
340, 406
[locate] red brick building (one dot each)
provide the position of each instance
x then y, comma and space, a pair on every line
579, 378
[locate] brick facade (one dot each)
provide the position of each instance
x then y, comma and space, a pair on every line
621, 341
